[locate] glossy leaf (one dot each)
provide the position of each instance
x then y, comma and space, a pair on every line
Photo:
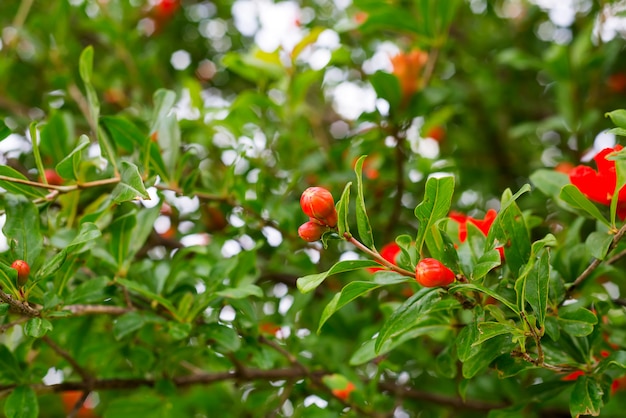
37, 327
131, 186
598, 244
435, 206
586, 397
577, 322
17, 188
4, 130
575, 198
362, 221
308, 283
354, 290
550, 182
485, 290
538, 287
22, 403
387, 86
68, 168
342, 206
9, 367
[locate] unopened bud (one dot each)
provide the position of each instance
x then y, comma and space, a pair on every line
318, 204
311, 231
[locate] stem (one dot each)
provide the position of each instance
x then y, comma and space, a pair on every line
61, 352
596, 262
378, 257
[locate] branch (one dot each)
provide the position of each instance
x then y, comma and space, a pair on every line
595, 263
18, 306
378, 257
87, 378
80, 310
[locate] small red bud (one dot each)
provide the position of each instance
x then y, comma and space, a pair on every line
23, 270
344, 393
318, 203
431, 273
311, 231
52, 177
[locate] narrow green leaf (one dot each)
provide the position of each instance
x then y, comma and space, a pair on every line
91, 291
354, 290
362, 221
342, 206
22, 228
241, 292
488, 330
8, 279
485, 290
17, 188
574, 197
34, 140
441, 247
127, 323
85, 64
22, 403
586, 397
124, 133
68, 168
4, 308
435, 206
487, 353
538, 287
222, 338
121, 237
142, 290
308, 283
425, 301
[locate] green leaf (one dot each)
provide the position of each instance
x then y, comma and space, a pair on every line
362, 221
9, 367
22, 403
357, 289
487, 352
142, 290
131, 186
222, 338
538, 287
550, 182
4, 308
488, 330
68, 168
342, 206
487, 262
124, 133
308, 283
485, 290
435, 206
387, 86
509, 229
598, 244
574, 197
122, 235
91, 291
577, 322
441, 247
8, 279
618, 117
17, 188
404, 318
37, 327
22, 228
178, 331
85, 64
586, 397
4, 130
241, 292
127, 324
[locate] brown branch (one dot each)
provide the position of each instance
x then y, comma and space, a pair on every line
79, 310
595, 263
19, 306
87, 378
374, 254
456, 402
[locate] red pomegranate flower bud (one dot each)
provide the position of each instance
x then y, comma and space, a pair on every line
389, 252
52, 177
311, 231
432, 273
23, 270
318, 204
344, 393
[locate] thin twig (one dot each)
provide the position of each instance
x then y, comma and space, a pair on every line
595, 263
377, 256
18, 306
87, 378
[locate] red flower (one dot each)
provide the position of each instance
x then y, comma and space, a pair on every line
482, 224
389, 252
344, 393
599, 185
573, 376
